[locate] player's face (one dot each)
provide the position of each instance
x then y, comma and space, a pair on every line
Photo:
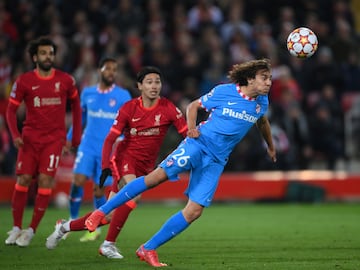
262, 82
108, 73
151, 86
44, 58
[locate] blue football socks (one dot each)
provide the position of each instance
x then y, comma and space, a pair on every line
76, 196
172, 227
129, 191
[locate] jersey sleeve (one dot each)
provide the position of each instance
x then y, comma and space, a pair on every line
69, 134
178, 119
16, 97
211, 100
119, 124
17, 92
73, 96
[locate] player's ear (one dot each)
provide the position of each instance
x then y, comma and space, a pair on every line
139, 85
250, 81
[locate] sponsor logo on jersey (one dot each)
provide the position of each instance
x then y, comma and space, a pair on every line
232, 103
133, 131
240, 115
149, 132
51, 101
179, 115
135, 119
38, 102
102, 114
13, 90
34, 87
258, 108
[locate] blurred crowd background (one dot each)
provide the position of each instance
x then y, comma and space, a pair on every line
314, 102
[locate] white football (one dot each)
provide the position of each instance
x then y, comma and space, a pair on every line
302, 42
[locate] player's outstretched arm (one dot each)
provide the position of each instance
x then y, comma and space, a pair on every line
191, 117
263, 125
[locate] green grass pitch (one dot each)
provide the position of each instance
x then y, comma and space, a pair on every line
227, 236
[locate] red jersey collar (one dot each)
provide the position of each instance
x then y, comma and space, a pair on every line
52, 74
150, 108
243, 95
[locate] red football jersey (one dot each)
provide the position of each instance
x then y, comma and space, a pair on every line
144, 129
45, 100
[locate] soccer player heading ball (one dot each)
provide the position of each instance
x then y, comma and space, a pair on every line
235, 107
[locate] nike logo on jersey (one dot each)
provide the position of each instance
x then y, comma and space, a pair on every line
135, 119
231, 103
35, 87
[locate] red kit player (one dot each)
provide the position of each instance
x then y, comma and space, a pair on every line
44, 91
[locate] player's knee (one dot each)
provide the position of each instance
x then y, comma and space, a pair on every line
45, 181
79, 180
155, 178
24, 180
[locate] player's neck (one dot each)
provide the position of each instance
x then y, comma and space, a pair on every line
248, 91
105, 88
44, 73
148, 103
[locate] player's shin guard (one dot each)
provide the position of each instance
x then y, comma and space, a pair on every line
118, 220
18, 204
172, 227
41, 204
75, 200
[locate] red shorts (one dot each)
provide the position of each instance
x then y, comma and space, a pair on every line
35, 158
122, 165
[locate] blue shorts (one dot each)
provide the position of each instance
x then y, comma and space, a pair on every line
205, 171
88, 164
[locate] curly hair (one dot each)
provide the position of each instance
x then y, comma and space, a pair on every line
240, 73
41, 41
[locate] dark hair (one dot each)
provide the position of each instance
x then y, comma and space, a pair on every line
105, 60
240, 73
41, 41
145, 71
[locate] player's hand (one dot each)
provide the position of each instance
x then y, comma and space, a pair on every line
18, 142
193, 133
104, 174
67, 148
272, 154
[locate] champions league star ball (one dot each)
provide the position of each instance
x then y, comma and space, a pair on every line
61, 200
302, 42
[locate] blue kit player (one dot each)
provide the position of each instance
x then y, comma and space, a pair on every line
234, 108
100, 104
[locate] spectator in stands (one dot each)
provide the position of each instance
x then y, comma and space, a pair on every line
6, 153
204, 13
324, 138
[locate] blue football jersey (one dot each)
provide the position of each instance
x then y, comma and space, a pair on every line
99, 111
232, 114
